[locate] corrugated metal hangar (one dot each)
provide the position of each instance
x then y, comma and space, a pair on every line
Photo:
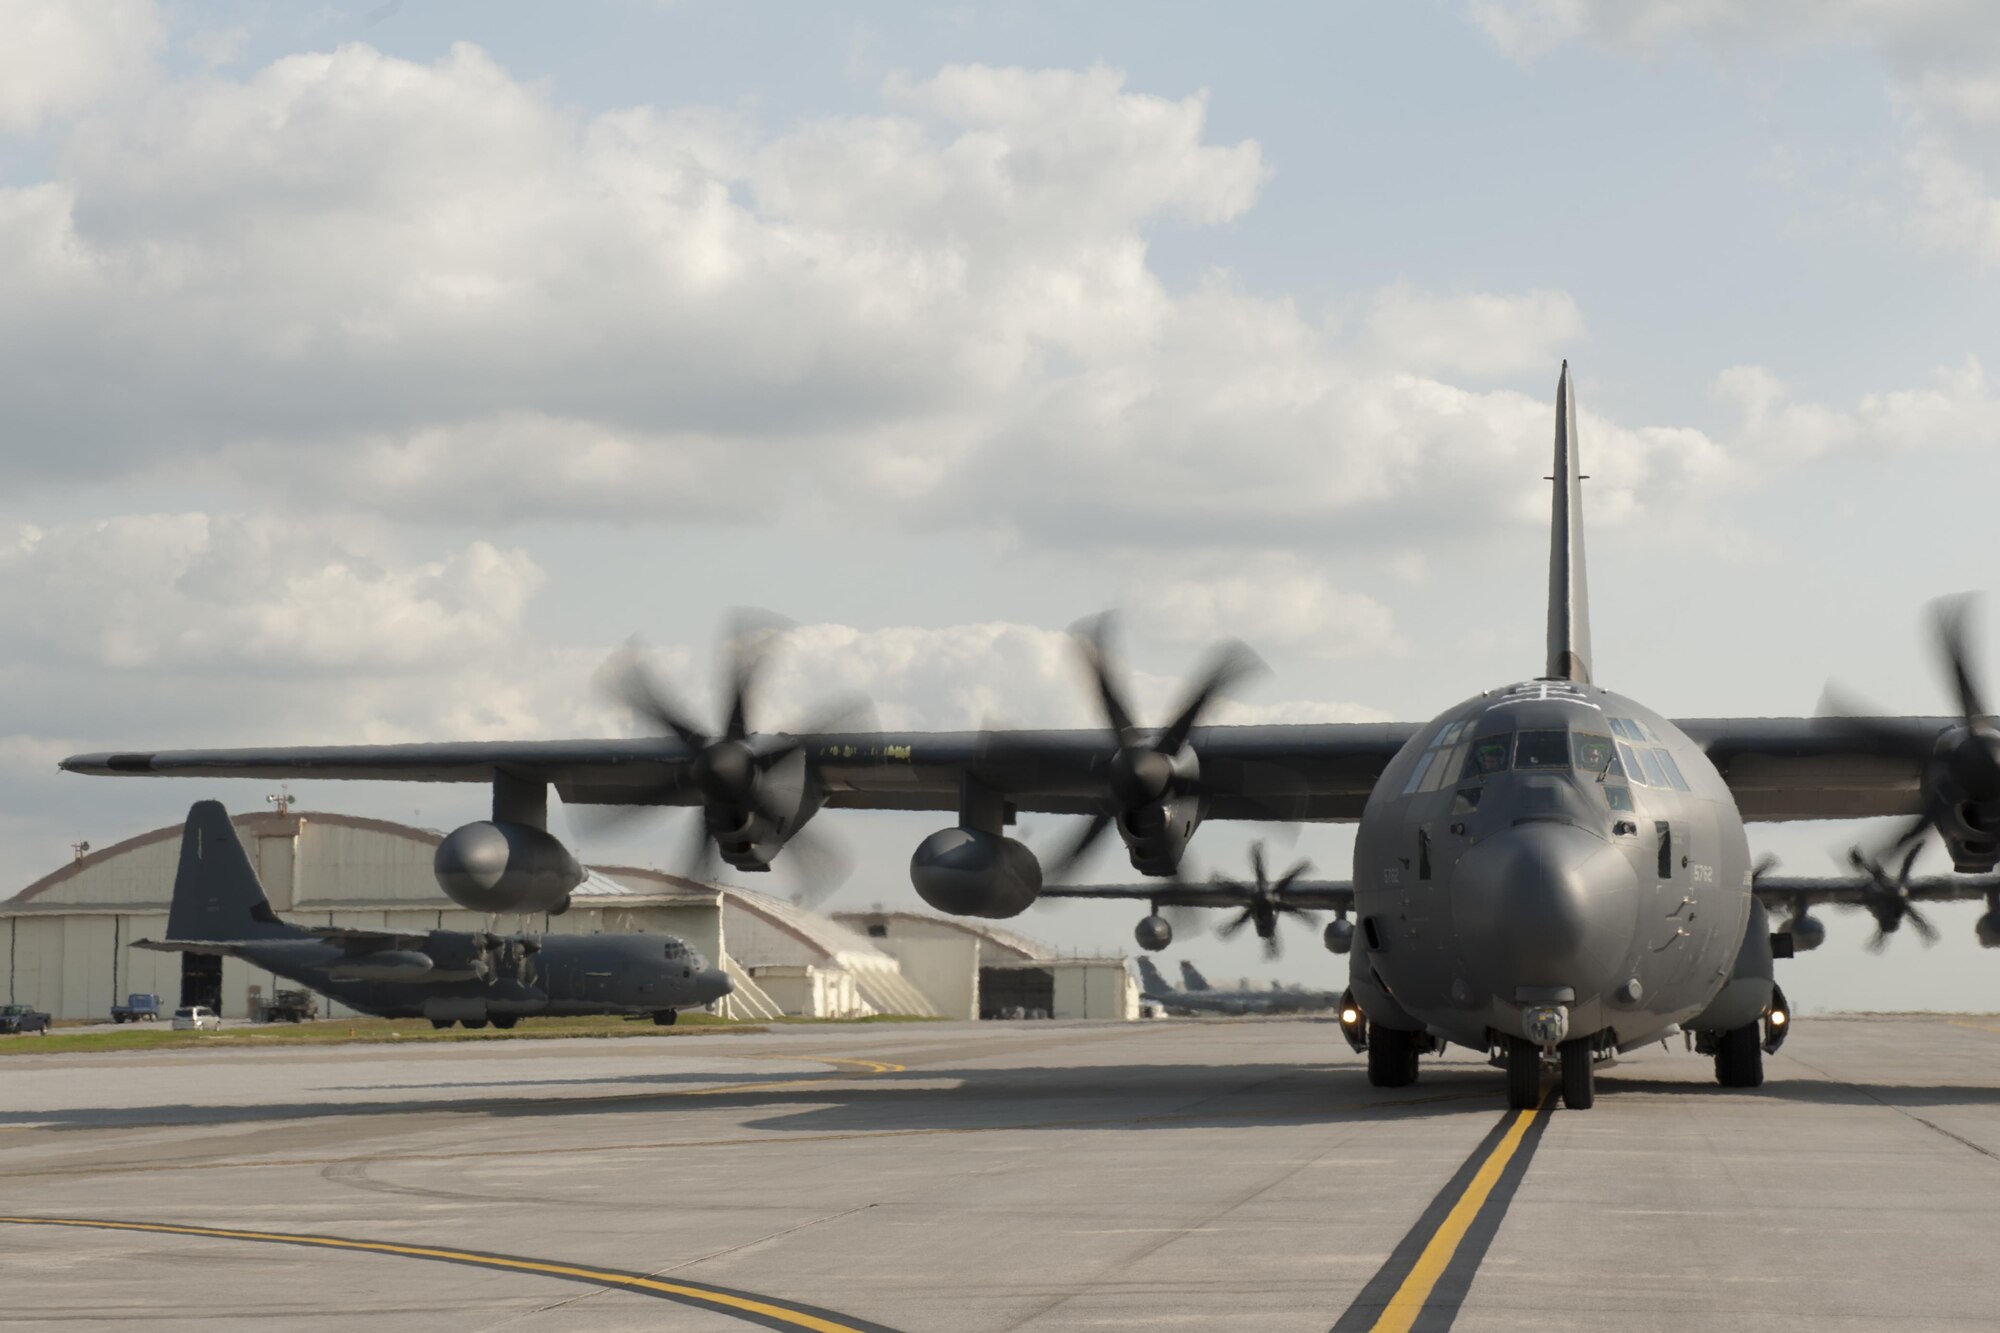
67, 937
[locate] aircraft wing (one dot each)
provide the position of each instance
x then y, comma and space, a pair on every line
1329, 895
1778, 768
354, 938
1785, 768
213, 948
1307, 772
1778, 891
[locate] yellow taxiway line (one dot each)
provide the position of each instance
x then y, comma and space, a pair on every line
720, 1299
1403, 1308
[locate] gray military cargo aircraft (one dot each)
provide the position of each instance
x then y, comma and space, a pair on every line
445, 976
1547, 871
1196, 996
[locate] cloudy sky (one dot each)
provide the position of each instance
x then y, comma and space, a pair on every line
370, 371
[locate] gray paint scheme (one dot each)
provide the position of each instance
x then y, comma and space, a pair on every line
444, 975
1591, 892
1569, 592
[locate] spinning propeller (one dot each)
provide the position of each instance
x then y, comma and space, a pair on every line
1142, 774
1264, 902
1962, 775
751, 788
1887, 898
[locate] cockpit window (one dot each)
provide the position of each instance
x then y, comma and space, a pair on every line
1673, 771
1595, 754
1542, 749
1631, 764
1488, 755
676, 949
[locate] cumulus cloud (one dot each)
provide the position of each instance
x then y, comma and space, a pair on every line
1941, 58
430, 291
1480, 335
178, 591
59, 58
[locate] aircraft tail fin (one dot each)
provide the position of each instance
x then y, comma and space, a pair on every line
1150, 979
216, 893
1193, 977
1569, 594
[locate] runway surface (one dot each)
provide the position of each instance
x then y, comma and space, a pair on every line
1042, 1176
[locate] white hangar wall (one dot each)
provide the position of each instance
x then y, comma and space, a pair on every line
66, 940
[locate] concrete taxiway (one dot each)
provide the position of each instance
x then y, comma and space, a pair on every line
1200, 1175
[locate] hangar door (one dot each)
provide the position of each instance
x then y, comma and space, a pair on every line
1016, 992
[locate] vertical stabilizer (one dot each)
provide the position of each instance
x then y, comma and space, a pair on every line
1193, 977
216, 893
1150, 980
1569, 592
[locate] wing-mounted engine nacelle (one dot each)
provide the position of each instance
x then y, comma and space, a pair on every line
966, 872
1157, 835
767, 802
1962, 797
501, 866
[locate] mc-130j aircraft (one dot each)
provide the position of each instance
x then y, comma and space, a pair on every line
1547, 872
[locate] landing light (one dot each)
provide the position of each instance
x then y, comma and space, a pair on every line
1350, 1015
1777, 1018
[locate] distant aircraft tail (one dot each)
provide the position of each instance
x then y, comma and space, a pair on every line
216, 893
1150, 980
1193, 977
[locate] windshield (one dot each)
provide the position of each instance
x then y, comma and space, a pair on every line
1542, 749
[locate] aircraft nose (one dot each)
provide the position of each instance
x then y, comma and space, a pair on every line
1543, 904
713, 984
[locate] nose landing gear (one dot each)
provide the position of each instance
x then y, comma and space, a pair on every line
1525, 1065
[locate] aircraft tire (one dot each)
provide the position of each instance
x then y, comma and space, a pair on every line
665, 1017
441, 1023
1579, 1075
505, 1021
1392, 1057
1524, 1074
1739, 1058
474, 1024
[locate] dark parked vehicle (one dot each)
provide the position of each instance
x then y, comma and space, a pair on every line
16, 1019
292, 1006
137, 1009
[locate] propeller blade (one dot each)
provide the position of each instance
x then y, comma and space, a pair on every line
1272, 947
1765, 865
1866, 725
1949, 618
1231, 663
1230, 928
1093, 639
625, 678
1066, 862
699, 859
1257, 872
820, 863
752, 636
1285, 880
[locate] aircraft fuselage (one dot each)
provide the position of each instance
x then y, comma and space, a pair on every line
1555, 847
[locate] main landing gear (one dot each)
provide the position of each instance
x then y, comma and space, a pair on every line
1392, 1056
1739, 1057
